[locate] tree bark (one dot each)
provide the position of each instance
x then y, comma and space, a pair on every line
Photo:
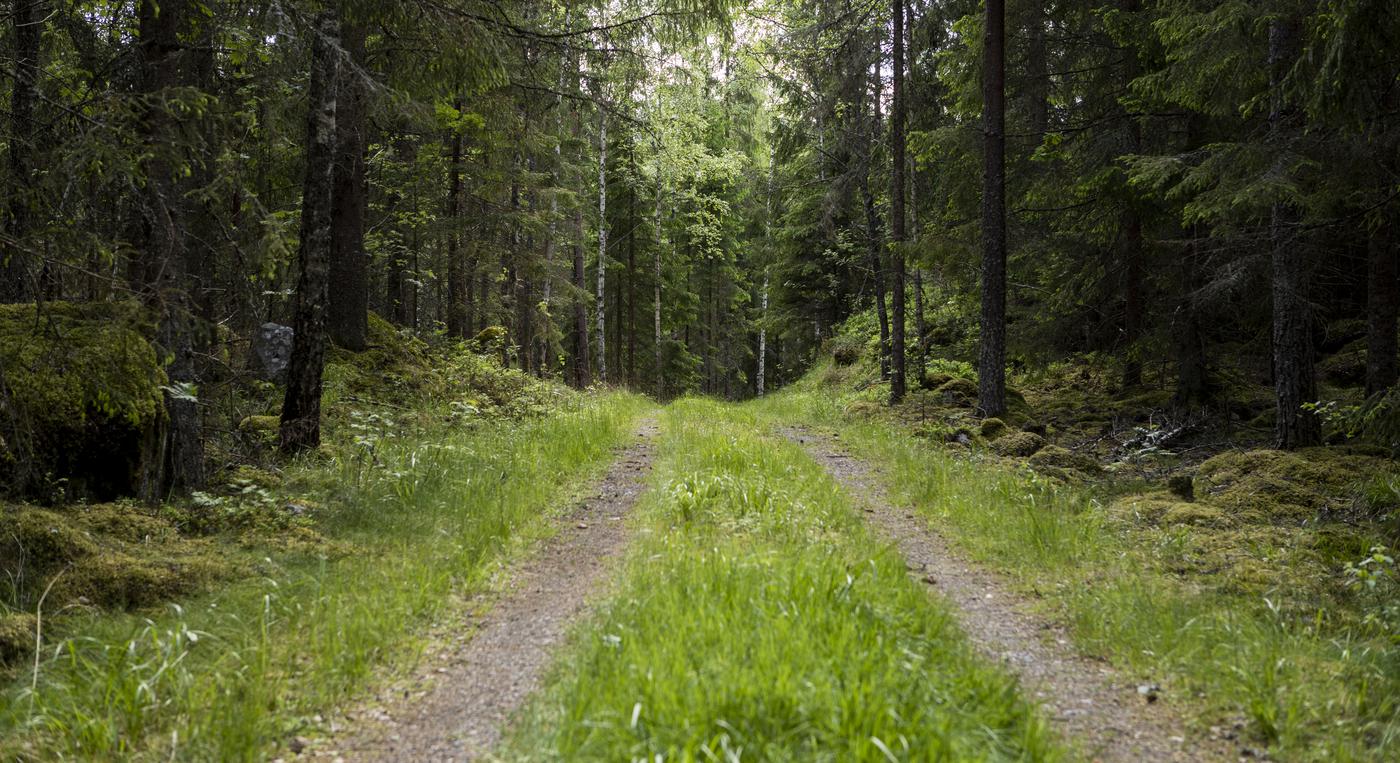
1192, 371
660, 380
582, 347
1295, 382
873, 226
897, 221
991, 391
347, 318
1382, 309
177, 465
458, 283
301, 408
16, 270
602, 302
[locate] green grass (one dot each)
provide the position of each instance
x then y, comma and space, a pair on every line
758, 618
229, 676
1306, 690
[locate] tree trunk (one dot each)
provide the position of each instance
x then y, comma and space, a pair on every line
1132, 252
458, 279
177, 465
1295, 382
897, 221
991, 392
1192, 372
762, 336
347, 317
602, 305
1382, 308
1037, 74
301, 408
873, 227
16, 270
582, 346
656, 292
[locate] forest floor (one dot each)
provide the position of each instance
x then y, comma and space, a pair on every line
775, 580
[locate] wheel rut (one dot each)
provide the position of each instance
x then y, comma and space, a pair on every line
1106, 717
486, 672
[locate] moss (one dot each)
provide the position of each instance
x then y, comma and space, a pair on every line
961, 392
129, 523
1148, 508
37, 540
1279, 486
1018, 444
1065, 464
111, 556
81, 383
116, 580
16, 637
260, 424
934, 379
992, 428
1347, 367
1195, 514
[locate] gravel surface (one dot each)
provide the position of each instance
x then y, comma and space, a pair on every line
486, 674
1105, 716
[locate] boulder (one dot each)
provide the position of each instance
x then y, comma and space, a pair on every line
1018, 445
272, 352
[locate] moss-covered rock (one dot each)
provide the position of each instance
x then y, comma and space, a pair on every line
1280, 486
993, 428
959, 392
1062, 463
1018, 444
1347, 366
82, 388
34, 539
16, 637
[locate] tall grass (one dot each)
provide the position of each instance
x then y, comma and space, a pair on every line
227, 676
1304, 690
758, 619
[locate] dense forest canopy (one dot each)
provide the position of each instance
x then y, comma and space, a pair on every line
693, 195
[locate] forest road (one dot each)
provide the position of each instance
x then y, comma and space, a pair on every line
487, 672
1102, 715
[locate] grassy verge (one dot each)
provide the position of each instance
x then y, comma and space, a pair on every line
1298, 682
758, 618
226, 676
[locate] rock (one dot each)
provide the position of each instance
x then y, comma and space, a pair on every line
959, 392
272, 352
1149, 692
1183, 486
1018, 445
298, 745
1054, 461
993, 428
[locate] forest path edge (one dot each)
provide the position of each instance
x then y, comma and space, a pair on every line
465, 694
1105, 716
